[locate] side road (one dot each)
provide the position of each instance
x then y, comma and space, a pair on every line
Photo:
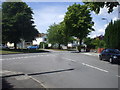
11, 80
91, 54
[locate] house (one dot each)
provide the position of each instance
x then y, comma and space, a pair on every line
24, 44
41, 38
21, 45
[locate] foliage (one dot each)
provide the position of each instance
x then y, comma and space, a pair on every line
78, 21
96, 6
98, 43
17, 22
43, 45
57, 35
89, 42
112, 35
94, 43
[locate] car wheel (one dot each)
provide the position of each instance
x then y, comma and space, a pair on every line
111, 60
100, 58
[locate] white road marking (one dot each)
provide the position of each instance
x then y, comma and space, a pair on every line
16, 54
69, 59
38, 81
23, 57
117, 75
22, 77
87, 65
93, 54
95, 67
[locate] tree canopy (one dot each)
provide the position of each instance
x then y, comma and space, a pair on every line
56, 35
112, 35
17, 22
96, 6
78, 21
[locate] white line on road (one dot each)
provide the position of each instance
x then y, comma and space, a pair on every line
95, 67
37, 81
69, 59
22, 57
117, 75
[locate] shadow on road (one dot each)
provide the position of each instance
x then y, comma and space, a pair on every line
6, 85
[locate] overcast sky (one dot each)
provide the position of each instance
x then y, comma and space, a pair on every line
47, 13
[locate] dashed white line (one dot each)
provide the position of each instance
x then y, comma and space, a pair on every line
22, 57
88, 65
95, 67
117, 75
69, 59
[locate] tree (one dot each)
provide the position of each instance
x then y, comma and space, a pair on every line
96, 6
56, 35
89, 42
78, 21
112, 35
0, 24
98, 43
17, 22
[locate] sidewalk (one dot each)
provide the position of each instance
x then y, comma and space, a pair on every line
12, 80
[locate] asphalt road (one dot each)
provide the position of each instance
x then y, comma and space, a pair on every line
64, 69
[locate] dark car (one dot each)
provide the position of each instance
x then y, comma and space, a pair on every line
112, 55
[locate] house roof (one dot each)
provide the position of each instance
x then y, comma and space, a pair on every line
41, 34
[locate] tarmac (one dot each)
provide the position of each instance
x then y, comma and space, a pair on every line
12, 80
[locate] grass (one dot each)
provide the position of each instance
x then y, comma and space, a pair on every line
18, 51
63, 49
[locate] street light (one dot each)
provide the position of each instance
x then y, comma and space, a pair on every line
105, 19
107, 23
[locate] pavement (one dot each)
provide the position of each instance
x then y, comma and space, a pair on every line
58, 69
12, 80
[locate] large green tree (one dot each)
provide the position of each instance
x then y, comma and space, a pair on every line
112, 35
0, 24
56, 35
17, 22
78, 21
97, 6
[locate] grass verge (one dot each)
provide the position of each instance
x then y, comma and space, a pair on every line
18, 51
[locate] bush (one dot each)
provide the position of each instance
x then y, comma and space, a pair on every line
43, 45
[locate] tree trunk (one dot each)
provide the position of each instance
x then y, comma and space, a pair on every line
15, 45
79, 46
59, 46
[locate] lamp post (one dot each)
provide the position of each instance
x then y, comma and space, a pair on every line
107, 22
105, 19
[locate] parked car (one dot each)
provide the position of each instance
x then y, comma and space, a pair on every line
3, 46
112, 55
33, 47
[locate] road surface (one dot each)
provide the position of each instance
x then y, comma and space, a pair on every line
63, 69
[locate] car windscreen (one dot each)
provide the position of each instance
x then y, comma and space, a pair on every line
115, 51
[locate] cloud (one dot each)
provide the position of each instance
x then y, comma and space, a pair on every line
47, 16
103, 11
100, 25
115, 18
106, 25
61, 16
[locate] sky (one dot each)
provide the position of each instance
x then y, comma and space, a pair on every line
48, 13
